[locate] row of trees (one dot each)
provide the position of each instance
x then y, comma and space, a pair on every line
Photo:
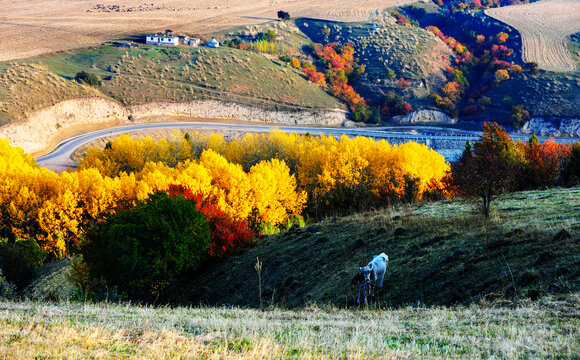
331, 171
160, 207
461, 5
56, 210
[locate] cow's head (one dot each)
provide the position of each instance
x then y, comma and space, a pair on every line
366, 271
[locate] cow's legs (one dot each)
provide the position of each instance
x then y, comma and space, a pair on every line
364, 285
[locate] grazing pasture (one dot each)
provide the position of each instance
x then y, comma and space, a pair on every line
34, 27
545, 27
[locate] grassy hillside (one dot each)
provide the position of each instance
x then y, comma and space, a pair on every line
544, 329
440, 254
150, 73
411, 52
559, 92
29, 87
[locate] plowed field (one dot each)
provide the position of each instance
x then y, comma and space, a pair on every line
545, 27
32, 27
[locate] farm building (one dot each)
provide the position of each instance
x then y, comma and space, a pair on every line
161, 39
194, 42
213, 43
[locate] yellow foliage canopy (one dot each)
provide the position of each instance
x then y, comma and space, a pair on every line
264, 177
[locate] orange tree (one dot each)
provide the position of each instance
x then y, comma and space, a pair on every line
490, 168
544, 163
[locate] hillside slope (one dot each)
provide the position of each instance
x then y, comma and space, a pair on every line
150, 74
440, 253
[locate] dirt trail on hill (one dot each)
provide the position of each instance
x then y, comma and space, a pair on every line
46, 128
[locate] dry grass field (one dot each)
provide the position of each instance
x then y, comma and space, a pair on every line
545, 27
33, 27
542, 330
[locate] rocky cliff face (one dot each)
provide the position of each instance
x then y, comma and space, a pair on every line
218, 109
425, 117
36, 132
552, 127
45, 125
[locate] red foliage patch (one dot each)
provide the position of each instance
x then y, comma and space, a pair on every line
225, 233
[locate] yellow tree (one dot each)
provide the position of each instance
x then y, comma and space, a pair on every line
274, 192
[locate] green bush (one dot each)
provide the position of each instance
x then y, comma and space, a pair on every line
571, 169
90, 79
144, 250
283, 15
6, 288
19, 260
267, 36
362, 113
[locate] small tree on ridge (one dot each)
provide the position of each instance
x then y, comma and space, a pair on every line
490, 168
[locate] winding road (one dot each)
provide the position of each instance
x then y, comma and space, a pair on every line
61, 158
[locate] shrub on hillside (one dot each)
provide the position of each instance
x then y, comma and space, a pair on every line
283, 15
87, 78
144, 249
6, 287
394, 104
571, 167
19, 260
266, 36
519, 116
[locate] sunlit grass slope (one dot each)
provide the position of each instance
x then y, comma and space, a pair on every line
440, 254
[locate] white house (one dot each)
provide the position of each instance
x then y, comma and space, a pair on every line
164, 40
194, 42
213, 43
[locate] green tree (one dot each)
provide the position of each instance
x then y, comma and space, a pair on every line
19, 260
271, 35
571, 168
283, 15
144, 249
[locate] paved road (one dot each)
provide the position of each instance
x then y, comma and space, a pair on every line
60, 158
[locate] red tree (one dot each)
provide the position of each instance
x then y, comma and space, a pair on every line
490, 168
225, 233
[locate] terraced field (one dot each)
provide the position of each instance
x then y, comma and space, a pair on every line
545, 27
33, 27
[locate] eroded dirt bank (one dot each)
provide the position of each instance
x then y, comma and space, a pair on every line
45, 128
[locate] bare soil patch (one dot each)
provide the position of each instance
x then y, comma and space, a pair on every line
545, 27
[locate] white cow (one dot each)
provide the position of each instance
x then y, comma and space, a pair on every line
375, 270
